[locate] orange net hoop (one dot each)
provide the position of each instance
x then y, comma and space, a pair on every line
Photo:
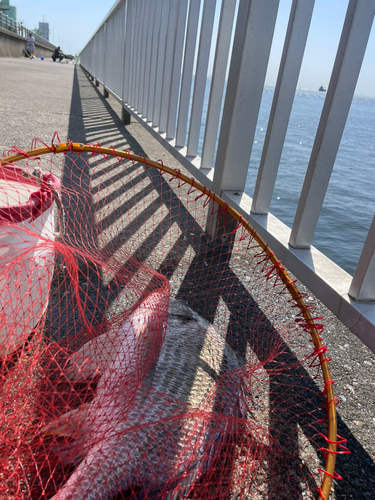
68, 384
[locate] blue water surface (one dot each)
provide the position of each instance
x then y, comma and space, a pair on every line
349, 204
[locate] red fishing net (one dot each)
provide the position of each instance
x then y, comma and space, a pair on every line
142, 357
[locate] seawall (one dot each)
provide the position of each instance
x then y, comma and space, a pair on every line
13, 45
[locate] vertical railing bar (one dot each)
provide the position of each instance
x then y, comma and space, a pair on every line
225, 30
154, 59
107, 56
177, 67
290, 65
110, 52
98, 61
350, 53
131, 48
95, 51
168, 64
139, 23
105, 53
201, 77
137, 35
120, 29
102, 51
251, 49
135, 53
93, 67
116, 57
127, 55
124, 39
137, 43
142, 62
187, 72
151, 20
115, 54
161, 59
362, 287
94, 63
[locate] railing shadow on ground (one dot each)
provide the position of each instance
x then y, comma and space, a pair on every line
91, 119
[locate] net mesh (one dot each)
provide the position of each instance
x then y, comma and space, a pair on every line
140, 357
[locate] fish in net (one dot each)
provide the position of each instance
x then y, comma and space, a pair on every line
152, 344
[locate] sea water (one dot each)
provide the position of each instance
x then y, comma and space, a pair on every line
349, 204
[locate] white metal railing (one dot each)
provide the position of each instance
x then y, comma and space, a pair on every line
154, 57
8, 23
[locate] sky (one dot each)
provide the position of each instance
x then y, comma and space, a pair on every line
72, 23
321, 47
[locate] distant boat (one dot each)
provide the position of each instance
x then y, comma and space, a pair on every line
322, 89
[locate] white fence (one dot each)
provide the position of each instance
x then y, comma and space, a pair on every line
8, 23
155, 56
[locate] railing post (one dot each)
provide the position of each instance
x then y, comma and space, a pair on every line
251, 48
125, 116
218, 81
154, 59
168, 64
177, 67
125, 119
150, 27
353, 42
125, 60
362, 287
140, 47
134, 51
187, 71
200, 77
161, 59
105, 93
290, 65
127, 53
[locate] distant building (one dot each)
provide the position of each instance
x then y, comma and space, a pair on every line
8, 10
43, 30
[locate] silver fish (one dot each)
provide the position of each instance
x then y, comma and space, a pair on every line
171, 427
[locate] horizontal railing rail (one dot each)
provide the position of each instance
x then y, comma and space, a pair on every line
162, 60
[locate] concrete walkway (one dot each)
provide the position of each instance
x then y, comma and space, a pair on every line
39, 97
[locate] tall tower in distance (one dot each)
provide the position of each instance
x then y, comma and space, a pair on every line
8, 10
44, 30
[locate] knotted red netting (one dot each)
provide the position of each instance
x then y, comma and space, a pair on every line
152, 346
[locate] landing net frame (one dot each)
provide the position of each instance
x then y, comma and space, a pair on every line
333, 441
